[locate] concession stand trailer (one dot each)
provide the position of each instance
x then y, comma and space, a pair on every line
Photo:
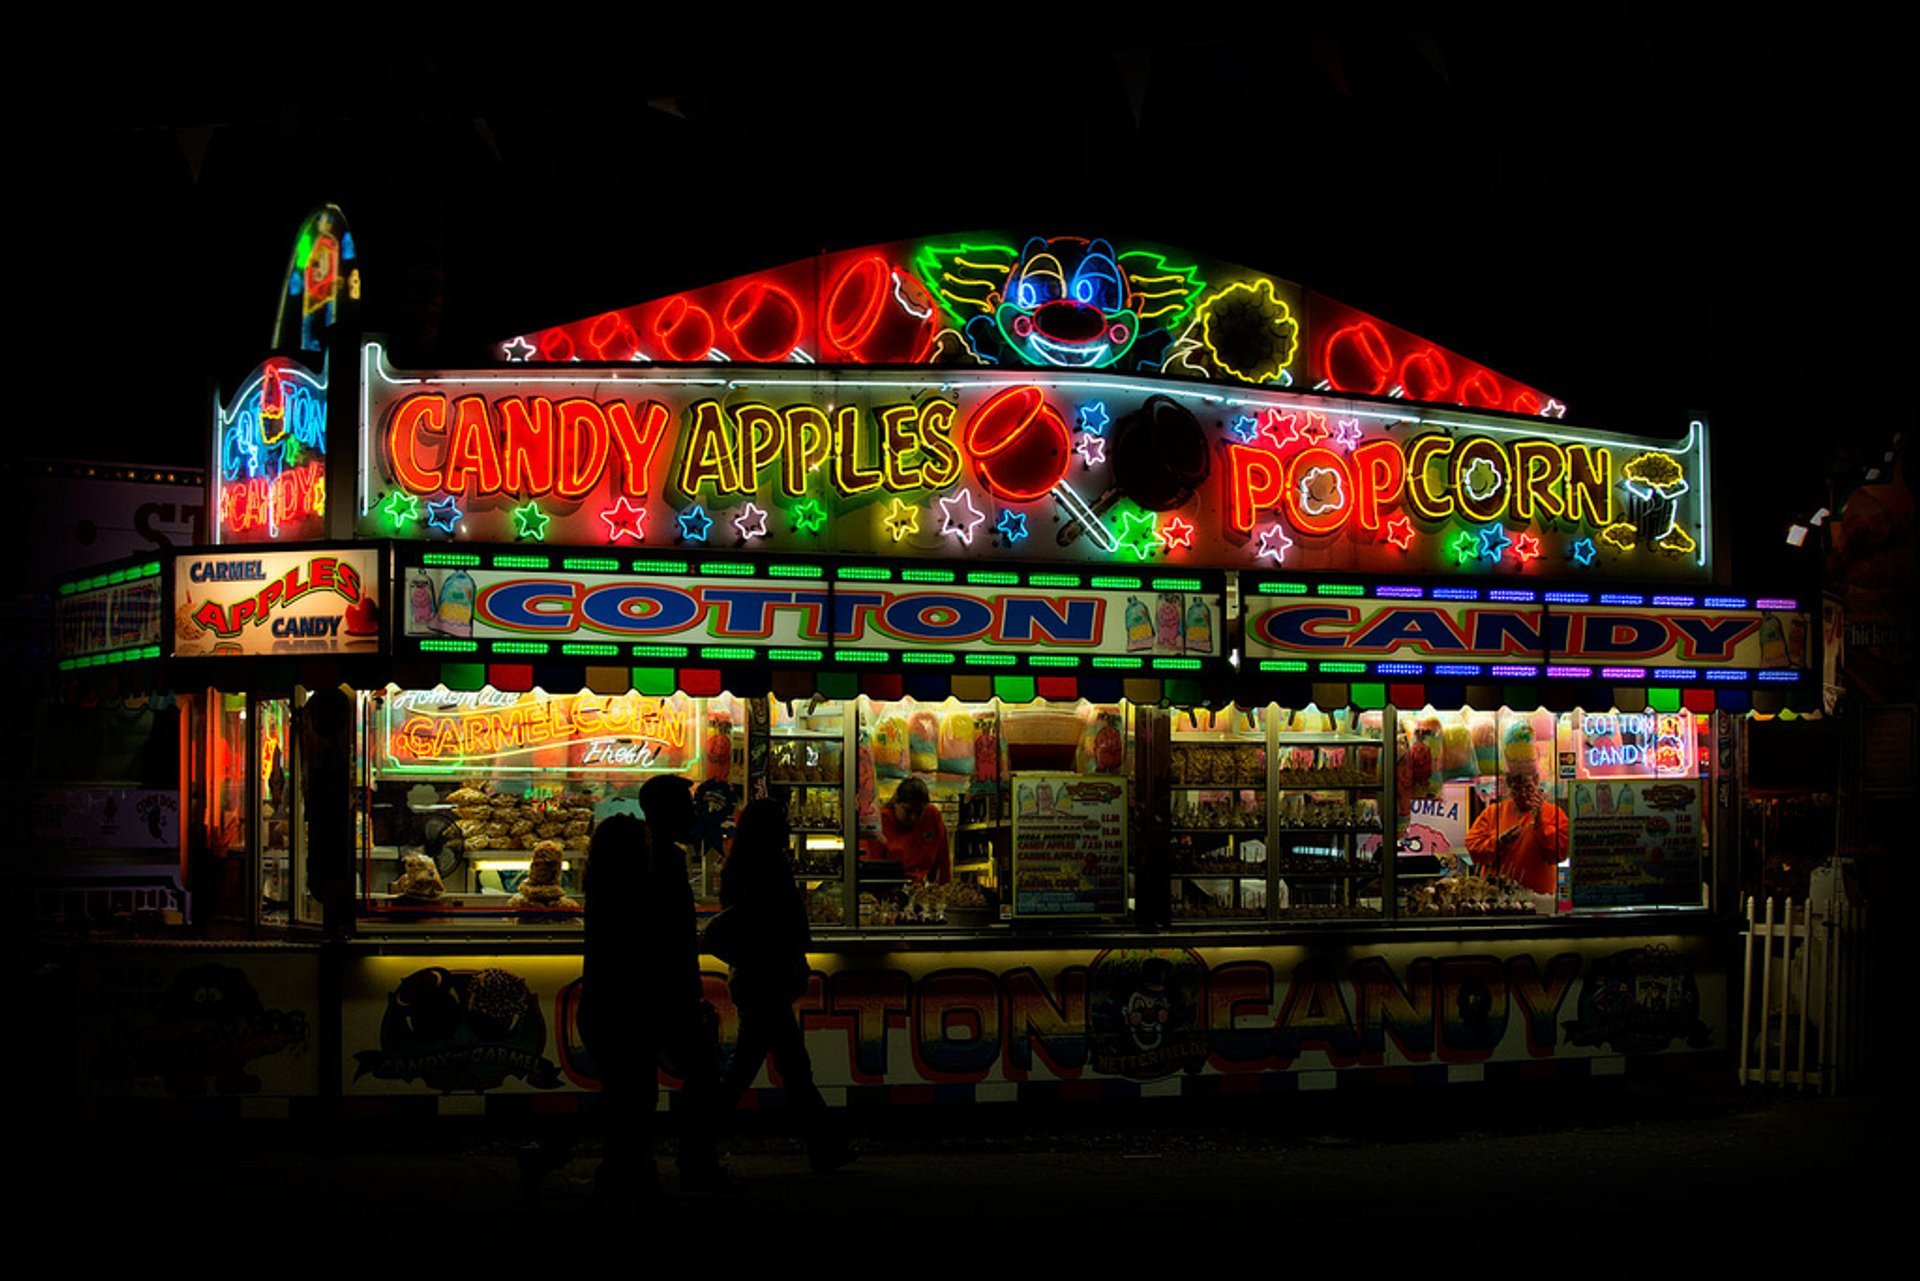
1301, 703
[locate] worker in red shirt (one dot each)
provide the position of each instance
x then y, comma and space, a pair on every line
1523, 836
913, 832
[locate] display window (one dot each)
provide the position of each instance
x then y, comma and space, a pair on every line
277, 817
805, 769
965, 812
218, 780
1274, 813
482, 804
1532, 813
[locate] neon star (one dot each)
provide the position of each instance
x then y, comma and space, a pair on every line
1584, 551
1270, 424
624, 520
751, 522
1177, 533
1274, 545
1093, 417
445, 514
1553, 409
532, 521
1314, 429
1245, 429
959, 516
902, 520
808, 516
695, 524
1140, 531
1399, 532
1093, 449
1494, 542
1012, 526
1526, 548
402, 508
1347, 436
518, 351
1466, 547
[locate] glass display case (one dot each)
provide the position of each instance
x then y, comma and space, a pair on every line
1275, 813
931, 812
482, 804
1328, 797
806, 771
276, 818
1217, 814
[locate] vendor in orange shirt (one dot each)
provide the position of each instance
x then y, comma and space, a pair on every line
1523, 836
913, 832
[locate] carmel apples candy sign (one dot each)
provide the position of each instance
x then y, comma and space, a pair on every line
303, 602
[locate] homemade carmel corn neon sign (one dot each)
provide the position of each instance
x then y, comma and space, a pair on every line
985, 463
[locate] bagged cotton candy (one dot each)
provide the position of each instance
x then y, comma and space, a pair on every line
1457, 760
1517, 747
923, 743
1484, 729
956, 743
890, 747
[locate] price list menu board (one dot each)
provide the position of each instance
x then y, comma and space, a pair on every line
1636, 844
1069, 846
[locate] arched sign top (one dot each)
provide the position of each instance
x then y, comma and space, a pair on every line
1050, 302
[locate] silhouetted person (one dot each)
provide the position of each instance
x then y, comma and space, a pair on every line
763, 936
640, 998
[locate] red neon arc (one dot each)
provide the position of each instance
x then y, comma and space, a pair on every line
1426, 375
685, 332
612, 337
1357, 358
763, 321
854, 304
1479, 390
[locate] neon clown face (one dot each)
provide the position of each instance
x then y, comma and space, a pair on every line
1067, 303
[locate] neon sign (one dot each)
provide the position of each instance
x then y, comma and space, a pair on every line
323, 279
486, 731
1040, 302
275, 602
1637, 745
270, 448
900, 462
1624, 639
1130, 622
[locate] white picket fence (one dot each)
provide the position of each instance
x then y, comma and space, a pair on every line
1803, 1022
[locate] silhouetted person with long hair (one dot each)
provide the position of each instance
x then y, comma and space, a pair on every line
763, 936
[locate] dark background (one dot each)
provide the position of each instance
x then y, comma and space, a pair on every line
1649, 214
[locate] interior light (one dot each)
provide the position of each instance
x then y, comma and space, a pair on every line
1797, 535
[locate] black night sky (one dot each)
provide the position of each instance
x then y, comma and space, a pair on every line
1650, 216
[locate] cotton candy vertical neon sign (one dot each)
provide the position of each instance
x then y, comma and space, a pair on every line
270, 452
